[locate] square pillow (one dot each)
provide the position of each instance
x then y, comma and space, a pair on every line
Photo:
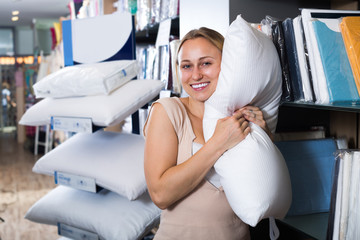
311, 166
105, 214
114, 160
104, 110
86, 79
253, 174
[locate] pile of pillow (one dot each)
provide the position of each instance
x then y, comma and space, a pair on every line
100, 91
113, 161
122, 210
253, 174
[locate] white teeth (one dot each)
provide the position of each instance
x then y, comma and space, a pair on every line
200, 85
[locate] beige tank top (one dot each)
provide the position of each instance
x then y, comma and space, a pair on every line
205, 213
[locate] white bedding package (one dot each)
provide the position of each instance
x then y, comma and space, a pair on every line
317, 70
316, 65
253, 174
104, 110
104, 215
115, 161
303, 65
86, 79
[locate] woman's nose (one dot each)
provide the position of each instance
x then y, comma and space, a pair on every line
197, 75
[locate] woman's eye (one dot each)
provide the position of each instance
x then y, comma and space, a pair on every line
185, 66
206, 63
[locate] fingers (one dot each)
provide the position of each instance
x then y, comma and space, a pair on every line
243, 124
253, 114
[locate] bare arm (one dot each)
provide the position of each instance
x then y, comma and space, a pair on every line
168, 182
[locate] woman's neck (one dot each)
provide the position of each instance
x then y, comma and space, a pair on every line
194, 107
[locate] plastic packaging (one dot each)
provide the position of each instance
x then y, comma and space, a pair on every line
278, 39
350, 31
345, 205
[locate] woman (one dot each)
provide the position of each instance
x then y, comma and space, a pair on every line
178, 163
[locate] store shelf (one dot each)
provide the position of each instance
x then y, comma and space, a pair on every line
330, 107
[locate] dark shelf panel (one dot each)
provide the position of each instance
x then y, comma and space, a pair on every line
330, 107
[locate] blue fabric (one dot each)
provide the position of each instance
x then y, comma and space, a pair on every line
67, 43
337, 69
310, 164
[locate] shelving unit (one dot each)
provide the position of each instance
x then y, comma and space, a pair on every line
338, 120
330, 107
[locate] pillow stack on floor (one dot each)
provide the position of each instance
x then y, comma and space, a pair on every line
87, 162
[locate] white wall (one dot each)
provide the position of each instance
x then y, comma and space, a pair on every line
213, 14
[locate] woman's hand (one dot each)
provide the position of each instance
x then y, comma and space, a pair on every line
255, 115
229, 131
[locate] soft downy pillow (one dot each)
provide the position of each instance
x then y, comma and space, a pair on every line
86, 79
114, 160
104, 110
105, 214
253, 174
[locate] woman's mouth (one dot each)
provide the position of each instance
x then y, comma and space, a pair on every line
199, 86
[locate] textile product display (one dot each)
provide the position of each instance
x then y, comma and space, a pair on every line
277, 34
303, 60
339, 77
311, 165
81, 37
114, 160
253, 173
345, 208
106, 214
295, 76
86, 79
104, 110
350, 31
317, 71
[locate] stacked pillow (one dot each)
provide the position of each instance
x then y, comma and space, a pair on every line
104, 110
105, 215
86, 79
114, 160
111, 161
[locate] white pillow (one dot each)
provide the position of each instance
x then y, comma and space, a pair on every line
86, 79
114, 160
106, 214
253, 174
104, 110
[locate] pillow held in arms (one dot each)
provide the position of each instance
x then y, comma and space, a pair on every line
253, 174
86, 79
105, 214
104, 110
114, 160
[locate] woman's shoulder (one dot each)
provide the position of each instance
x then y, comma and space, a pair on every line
170, 108
171, 104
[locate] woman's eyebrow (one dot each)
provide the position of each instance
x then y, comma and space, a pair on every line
201, 58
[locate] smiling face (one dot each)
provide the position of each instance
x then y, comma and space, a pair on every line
199, 65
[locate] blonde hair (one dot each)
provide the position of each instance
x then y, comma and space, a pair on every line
214, 37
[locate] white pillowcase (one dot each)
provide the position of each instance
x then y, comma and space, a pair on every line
253, 174
86, 79
114, 160
104, 110
107, 214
